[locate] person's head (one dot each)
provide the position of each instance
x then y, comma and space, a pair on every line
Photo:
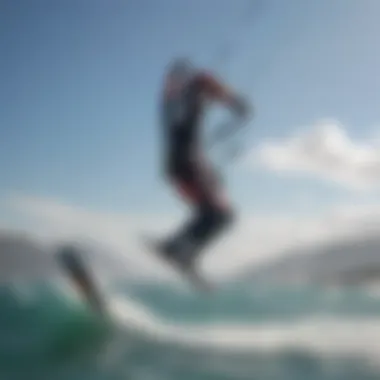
180, 70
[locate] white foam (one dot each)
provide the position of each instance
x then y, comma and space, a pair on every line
321, 335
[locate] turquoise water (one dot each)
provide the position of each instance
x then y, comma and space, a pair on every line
159, 332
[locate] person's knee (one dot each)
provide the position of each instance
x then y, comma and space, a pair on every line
221, 217
227, 217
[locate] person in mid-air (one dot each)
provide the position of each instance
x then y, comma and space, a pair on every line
187, 92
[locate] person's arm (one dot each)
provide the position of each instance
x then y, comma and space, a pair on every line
217, 91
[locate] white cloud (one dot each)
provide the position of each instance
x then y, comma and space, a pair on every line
253, 240
324, 151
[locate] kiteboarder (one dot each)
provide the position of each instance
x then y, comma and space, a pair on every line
187, 93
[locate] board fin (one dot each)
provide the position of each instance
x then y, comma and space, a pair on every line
73, 264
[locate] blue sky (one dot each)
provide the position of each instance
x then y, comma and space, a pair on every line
80, 81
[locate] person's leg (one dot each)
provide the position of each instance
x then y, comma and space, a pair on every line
212, 215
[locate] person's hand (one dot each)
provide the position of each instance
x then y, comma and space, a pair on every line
241, 107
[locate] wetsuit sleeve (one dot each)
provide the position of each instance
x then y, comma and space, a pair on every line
214, 88
219, 92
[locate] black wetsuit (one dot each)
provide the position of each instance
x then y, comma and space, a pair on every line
192, 175
184, 162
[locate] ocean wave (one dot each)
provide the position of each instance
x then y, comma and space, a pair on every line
49, 331
322, 335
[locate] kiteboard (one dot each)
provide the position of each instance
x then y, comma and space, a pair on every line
73, 265
191, 274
